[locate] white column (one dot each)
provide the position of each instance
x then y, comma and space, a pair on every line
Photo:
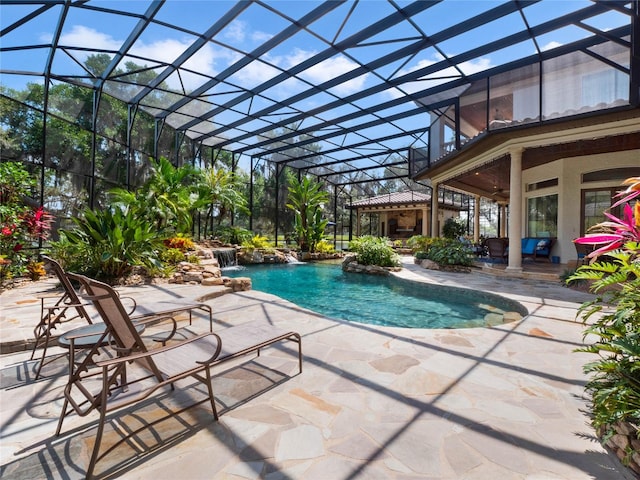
515, 211
503, 219
434, 211
476, 219
425, 223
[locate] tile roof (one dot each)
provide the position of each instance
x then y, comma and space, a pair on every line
394, 199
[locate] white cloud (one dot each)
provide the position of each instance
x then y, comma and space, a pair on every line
439, 77
166, 50
235, 31
81, 36
209, 60
326, 70
550, 46
259, 37
258, 72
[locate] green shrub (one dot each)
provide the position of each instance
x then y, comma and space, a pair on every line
232, 235
420, 243
446, 251
324, 246
453, 228
108, 243
443, 251
374, 251
172, 256
258, 242
193, 258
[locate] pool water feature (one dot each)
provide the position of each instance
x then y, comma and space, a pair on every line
378, 300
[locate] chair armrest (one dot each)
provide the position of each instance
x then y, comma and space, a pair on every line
156, 320
156, 351
56, 307
132, 300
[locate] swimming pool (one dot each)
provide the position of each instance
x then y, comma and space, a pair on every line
377, 300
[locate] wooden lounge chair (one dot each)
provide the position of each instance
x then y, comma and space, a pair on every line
67, 307
120, 385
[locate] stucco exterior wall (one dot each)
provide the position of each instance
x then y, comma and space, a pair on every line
569, 172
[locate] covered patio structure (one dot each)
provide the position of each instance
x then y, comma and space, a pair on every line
401, 215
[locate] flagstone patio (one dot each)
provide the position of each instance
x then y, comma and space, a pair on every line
372, 402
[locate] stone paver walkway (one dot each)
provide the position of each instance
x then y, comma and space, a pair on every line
371, 403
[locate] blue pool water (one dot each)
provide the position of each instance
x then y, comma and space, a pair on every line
388, 301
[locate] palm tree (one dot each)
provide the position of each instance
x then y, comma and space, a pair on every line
167, 199
220, 191
307, 200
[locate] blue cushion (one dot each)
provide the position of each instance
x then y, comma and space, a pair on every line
529, 246
542, 244
542, 247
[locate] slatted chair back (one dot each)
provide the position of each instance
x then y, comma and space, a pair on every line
66, 308
70, 293
123, 333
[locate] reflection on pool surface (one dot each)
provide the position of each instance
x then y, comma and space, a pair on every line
388, 301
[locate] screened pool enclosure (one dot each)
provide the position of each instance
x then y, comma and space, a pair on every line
360, 95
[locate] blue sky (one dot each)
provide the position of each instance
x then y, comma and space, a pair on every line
181, 21
256, 24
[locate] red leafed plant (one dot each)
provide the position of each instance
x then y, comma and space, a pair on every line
20, 225
613, 317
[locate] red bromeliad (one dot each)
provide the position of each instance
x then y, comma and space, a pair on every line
616, 232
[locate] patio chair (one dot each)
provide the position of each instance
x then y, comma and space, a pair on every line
536, 247
68, 307
119, 385
582, 250
497, 248
56, 313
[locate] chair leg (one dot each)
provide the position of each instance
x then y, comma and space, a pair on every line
96, 446
63, 414
43, 336
44, 352
211, 397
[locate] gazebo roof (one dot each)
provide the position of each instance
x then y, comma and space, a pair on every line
398, 198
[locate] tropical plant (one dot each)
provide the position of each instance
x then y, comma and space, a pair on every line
258, 242
614, 275
453, 228
36, 270
220, 191
109, 243
167, 200
232, 234
307, 200
21, 226
323, 246
374, 251
420, 243
181, 242
446, 251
